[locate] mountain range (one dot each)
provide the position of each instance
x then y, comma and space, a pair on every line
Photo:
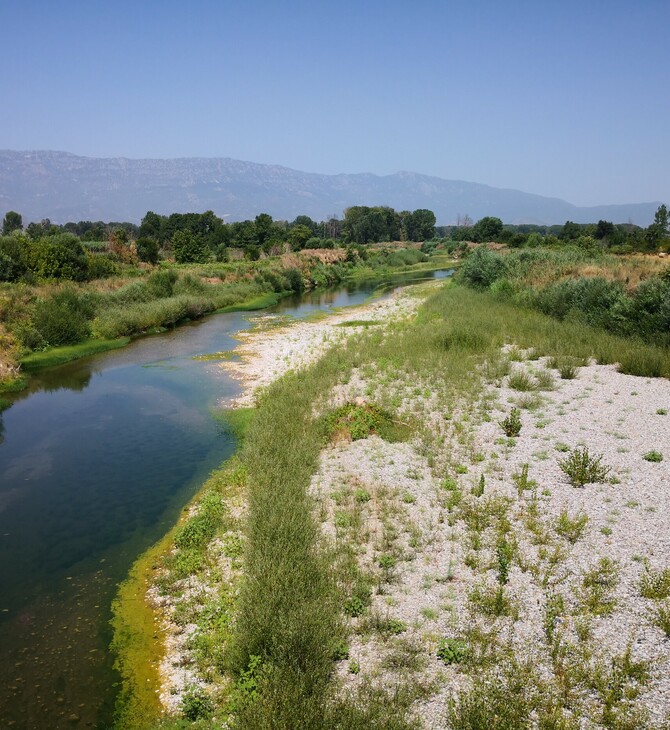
65, 187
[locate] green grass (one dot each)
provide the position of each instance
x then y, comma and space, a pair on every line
60, 355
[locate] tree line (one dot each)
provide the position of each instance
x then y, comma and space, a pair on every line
87, 250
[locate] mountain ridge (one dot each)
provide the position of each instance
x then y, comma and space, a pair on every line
64, 187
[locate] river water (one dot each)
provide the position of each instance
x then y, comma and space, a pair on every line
97, 458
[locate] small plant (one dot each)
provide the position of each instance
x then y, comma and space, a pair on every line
544, 380
520, 380
492, 601
408, 498
655, 584
478, 489
567, 367
511, 425
582, 468
653, 456
598, 585
504, 554
387, 562
571, 528
560, 446
523, 483
660, 616
340, 651
362, 496
461, 469
452, 651
553, 610
662, 412
196, 704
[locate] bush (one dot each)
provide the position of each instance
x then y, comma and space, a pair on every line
57, 257
147, 250
512, 424
63, 318
582, 468
452, 651
482, 268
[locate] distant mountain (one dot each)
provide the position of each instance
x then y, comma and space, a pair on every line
64, 187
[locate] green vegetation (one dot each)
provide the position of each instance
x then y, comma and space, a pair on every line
582, 468
271, 673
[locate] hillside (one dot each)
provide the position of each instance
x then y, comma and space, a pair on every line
62, 186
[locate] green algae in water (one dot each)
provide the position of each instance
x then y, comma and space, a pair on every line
223, 355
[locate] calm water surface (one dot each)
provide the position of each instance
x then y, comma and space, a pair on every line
97, 459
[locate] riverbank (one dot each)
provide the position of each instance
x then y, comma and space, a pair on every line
476, 577
48, 325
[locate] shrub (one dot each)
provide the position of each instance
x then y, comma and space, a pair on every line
482, 268
582, 468
571, 528
196, 704
653, 456
512, 424
63, 318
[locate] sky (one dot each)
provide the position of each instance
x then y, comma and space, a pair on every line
567, 99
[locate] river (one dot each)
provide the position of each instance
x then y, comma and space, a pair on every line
97, 458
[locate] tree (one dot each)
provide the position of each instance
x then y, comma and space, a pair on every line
604, 229
147, 249
189, 248
488, 228
298, 236
12, 222
659, 228
420, 225
570, 231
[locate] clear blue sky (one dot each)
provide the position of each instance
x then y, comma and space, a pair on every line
566, 98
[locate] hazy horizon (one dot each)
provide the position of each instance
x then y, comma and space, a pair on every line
563, 100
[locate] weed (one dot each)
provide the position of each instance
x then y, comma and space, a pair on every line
523, 483
653, 456
655, 584
544, 380
598, 585
354, 667
511, 425
660, 616
553, 610
493, 602
582, 468
560, 446
362, 495
662, 412
408, 498
478, 489
571, 528
520, 380
452, 651
504, 554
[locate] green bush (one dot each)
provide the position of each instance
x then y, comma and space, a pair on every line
57, 257
583, 468
63, 318
482, 267
452, 651
511, 425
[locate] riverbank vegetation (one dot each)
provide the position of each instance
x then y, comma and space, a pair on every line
314, 633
